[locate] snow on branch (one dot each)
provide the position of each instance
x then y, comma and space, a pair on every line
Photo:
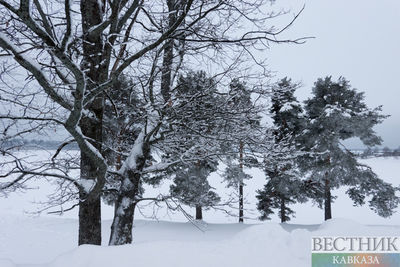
33, 68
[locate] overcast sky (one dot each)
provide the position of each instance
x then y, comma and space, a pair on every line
357, 39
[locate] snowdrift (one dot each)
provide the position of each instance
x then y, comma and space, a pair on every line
267, 244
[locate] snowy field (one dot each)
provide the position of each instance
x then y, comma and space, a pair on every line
27, 239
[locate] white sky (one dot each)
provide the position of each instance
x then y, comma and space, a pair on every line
357, 39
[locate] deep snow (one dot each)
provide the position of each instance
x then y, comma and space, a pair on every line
178, 244
51, 240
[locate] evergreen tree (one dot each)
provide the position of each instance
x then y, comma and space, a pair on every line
191, 186
196, 107
283, 179
283, 186
337, 112
240, 104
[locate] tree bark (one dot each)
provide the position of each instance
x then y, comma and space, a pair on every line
241, 203
89, 221
328, 201
283, 210
124, 210
199, 213
90, 209
241, 184
166, 74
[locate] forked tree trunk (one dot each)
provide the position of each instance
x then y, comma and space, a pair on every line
328, 201
199, 213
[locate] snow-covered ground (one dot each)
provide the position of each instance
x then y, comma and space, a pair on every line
48, 240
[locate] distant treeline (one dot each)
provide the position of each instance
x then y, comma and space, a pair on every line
380, 152
24, 144
51, 144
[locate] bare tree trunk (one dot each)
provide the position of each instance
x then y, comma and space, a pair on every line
124, 210
328, 201
241, 215
283, 210
90, 208
199, 213
166, 75
121, 229
89, 220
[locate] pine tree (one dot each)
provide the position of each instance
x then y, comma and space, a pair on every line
239, 101
191, 186
196, 106
283, 179
337, 112
283, 186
